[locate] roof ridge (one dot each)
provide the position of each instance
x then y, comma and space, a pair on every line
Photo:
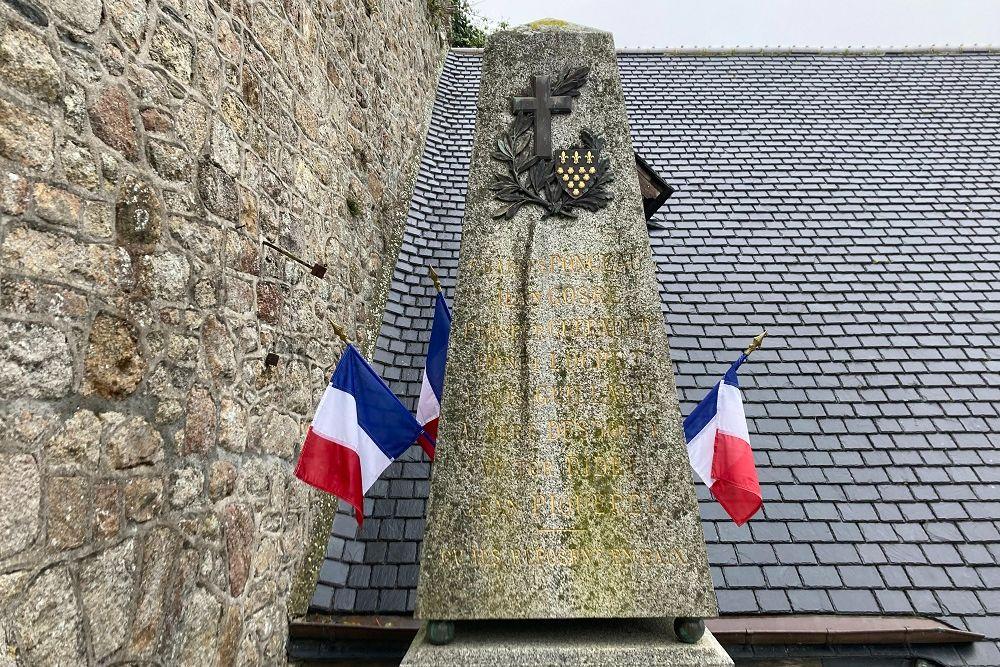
830, 51
793, 51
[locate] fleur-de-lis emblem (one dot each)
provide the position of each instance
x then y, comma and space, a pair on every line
576, 180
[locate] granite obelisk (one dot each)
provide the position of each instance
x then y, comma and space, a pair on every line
561, 487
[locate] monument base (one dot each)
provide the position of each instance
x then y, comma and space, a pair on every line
590, 642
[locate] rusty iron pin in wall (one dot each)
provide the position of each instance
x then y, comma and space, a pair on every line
318, 270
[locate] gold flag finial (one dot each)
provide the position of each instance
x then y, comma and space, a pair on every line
434, 276
341, 334
755, 344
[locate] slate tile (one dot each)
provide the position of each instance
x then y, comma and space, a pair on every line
344, 599
322, 597
858, 512
854, 601
344, 526
858, 576
746, 576
892, 601
723, 554
383, 507
960, 602
838, 553
335, 547
393, 601
809, 531
846, 532
736, 601
910, 532
359, 576
928, 576
965, 577
942, 554
821, 511
924, 602
730, 532
391, 529
333, 572
784, 511
975, 554
872, 554
915, 512
756, 554
878, 532
980, 531
981, 653
375, 552
985, 625
407, 577
414, 529
820, 576
383, 576
402, 552
810, 601
773, 601
782, 576
353, 552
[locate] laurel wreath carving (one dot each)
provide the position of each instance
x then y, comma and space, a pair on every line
530, 180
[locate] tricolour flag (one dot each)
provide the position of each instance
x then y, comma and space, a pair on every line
359, 428
429, 405
718, 445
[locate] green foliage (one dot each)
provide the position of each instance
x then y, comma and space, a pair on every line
467, 27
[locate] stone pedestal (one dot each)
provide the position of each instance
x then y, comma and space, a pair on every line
594, 643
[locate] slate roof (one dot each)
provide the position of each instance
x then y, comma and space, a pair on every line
850, 205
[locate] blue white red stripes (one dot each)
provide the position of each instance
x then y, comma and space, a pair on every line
360, 427
429, 405
718, 444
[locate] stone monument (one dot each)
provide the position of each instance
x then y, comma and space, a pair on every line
561, 487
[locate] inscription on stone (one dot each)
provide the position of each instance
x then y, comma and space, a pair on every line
561, 486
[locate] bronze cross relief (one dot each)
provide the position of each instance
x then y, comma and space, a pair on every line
543, 105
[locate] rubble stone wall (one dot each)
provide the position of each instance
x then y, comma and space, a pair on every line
147, 147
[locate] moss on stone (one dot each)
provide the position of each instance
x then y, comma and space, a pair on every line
353, 207
581, 563
549, 23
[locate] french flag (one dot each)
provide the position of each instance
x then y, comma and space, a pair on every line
360, 427
718, 445
429, 405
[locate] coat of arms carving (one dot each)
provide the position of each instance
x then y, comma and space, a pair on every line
572, 179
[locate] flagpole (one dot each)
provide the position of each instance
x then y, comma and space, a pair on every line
755, 344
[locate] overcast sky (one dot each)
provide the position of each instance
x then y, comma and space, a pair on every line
785, 23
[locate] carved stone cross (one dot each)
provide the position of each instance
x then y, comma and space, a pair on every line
543, 105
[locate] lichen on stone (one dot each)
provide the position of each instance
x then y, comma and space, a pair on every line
149, 149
